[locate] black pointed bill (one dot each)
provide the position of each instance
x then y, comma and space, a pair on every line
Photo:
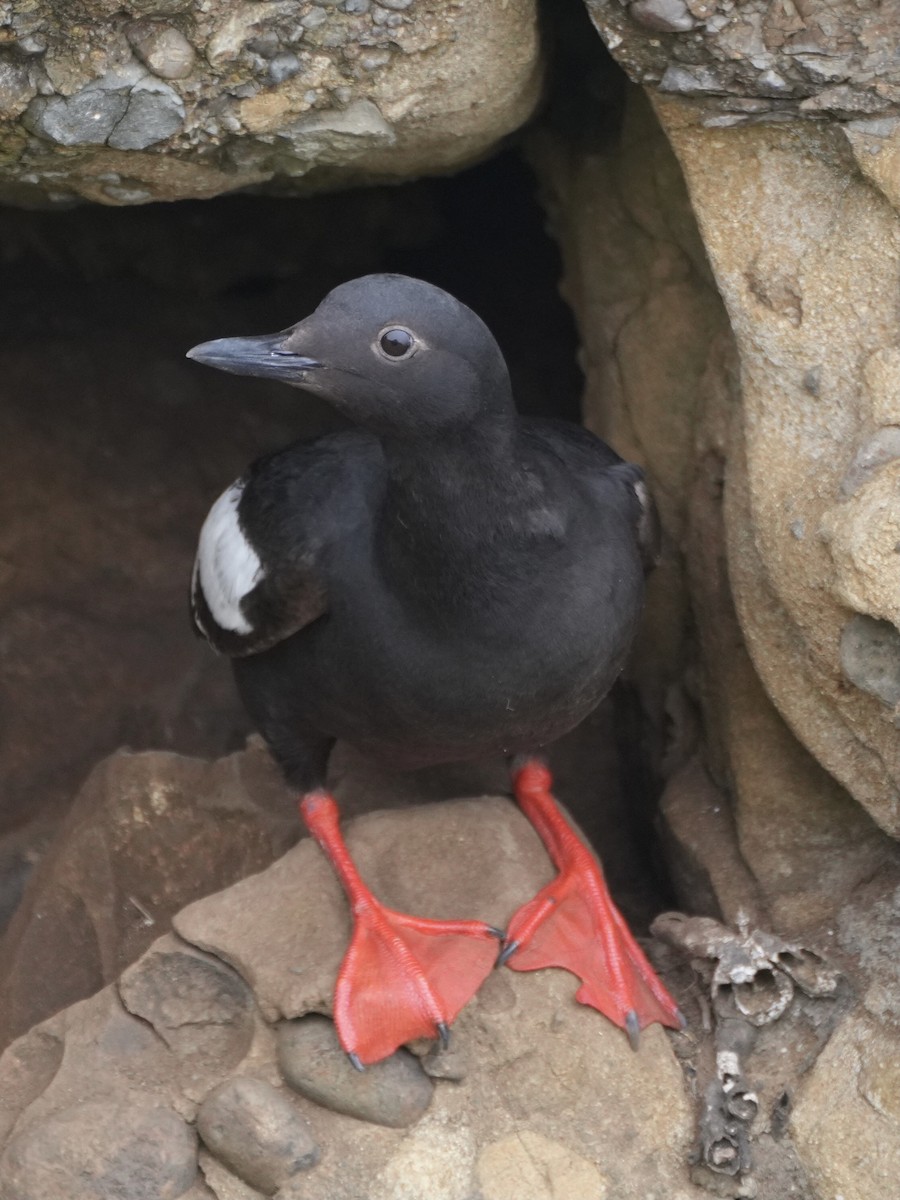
263, 356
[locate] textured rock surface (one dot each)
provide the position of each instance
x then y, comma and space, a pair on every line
755, 58
806, 253
758, 828
255, 1131
182, 1024
395, 1092
138, 102
147, 833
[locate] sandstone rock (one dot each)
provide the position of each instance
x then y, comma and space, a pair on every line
255, 1131
322, 96
394, 1092
759, 828
800, 551
847, 1116
535, 1056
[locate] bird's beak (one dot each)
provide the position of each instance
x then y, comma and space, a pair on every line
264, 356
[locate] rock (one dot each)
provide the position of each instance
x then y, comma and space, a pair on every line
527, 1166
792, 593
846, 1118
347, 94
333, 137
870, 657
534, 1055
395, 1092
792, 63
760, 805
667, 16
146, 834
85, 119
20, 852
98, 1151
162, 48
252, 1128
16, 88
153, 114
196, 1004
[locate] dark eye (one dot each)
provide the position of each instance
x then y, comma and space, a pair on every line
396, 342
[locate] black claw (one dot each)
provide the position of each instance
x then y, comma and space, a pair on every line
633, 1029
499, 934
506, 953
444, 1034
355, 1063
682, 1019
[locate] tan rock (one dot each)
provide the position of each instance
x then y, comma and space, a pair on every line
553, 1093
527, 1166
799, 221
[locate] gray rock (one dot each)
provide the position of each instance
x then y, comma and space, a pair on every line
164, 49
196, 1003
254, 1130
668, 16
314, 18
283, 66
162, 8
881, 448
693, 81
336, 136
85, 119
101, 1152
357, 6
870, 657
152, 116
394, 1092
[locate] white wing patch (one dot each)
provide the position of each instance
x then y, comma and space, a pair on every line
227, 567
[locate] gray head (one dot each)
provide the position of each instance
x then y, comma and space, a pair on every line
394, 354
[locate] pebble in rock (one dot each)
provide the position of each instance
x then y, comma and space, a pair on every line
152, 116
394, 1092
101, 1151
85, 119
256, 1132
165, 50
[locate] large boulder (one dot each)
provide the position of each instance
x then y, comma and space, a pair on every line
736, 301
215, 1028
171, 99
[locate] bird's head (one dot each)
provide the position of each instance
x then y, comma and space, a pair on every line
393, 354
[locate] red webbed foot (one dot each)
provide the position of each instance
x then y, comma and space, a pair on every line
402, 977
573, 923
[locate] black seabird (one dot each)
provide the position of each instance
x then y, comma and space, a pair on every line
444, 581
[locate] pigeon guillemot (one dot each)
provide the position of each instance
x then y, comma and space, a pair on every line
444, 581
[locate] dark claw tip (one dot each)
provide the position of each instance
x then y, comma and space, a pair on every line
633, 1029
355, 1062
681, 1019
506, 953
443, 1034
499, 934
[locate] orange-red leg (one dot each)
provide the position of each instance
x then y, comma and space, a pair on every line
402, 977
573, 922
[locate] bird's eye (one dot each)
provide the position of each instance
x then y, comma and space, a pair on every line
396, 343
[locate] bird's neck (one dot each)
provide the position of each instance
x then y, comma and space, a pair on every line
457, 505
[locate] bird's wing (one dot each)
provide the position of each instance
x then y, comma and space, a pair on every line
591, 459
259, 575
